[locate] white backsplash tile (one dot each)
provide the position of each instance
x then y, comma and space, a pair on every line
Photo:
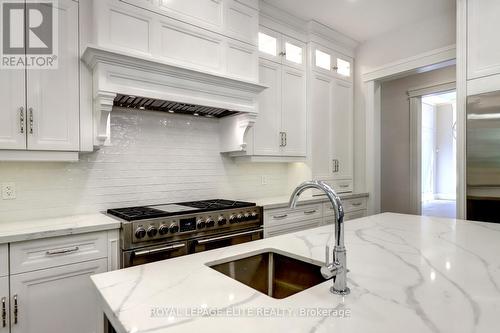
154, 158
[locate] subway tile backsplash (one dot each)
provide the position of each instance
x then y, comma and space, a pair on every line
154, 158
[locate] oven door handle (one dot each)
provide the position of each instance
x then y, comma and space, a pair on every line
215, 239
158, 250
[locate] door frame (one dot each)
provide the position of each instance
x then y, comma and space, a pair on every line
415, 102
371, 90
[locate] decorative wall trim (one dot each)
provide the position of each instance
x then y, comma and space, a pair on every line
434, 89
445, 55
121, 72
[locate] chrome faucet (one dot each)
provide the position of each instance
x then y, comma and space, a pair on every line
337, 268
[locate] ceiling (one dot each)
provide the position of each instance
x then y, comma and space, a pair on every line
364, 19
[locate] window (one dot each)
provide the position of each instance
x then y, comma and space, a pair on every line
323, 60
343, 67
267, 44
293, 53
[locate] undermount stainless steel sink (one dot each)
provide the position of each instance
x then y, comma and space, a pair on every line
273, 274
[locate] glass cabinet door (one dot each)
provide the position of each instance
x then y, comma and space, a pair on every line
270, 44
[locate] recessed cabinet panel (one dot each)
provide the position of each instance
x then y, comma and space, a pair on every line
483, 56
129, 31
321, 102
52, 95
242, 61
191, 47
12, 109
207, 11
64, 293
4, 260
293, 118
342, 129
266, 129
242, 22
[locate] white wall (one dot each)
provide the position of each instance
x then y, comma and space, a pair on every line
155, 158
428, 151
407, 41
446, 153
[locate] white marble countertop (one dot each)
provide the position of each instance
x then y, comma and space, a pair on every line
52, 227
282, 201
407, 274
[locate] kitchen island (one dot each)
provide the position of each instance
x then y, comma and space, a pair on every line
407, 274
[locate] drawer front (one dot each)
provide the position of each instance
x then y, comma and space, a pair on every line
277, 217
4, 260
347, 217
350, 205
292, 227
354, 215
45, 253
339, 185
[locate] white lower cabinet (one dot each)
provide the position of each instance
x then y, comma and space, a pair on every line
4, 304
4, 260
56, 300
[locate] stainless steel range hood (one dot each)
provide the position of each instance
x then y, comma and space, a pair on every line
126, 79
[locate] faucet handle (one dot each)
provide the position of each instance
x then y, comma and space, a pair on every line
327, 256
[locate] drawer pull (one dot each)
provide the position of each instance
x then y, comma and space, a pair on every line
4, 312
63, 251
161, 249
357, 204
280, 216
309, 212
21, 119
16, 309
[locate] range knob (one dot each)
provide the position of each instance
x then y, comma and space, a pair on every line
210, 223
247, 216
240, 217
174, 228
221, 220
200, 224
140, 233
232, 219
163, 230
254, 215
152, 231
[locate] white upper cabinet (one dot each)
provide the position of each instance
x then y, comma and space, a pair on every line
13, 109
282, 49
52, 95
293, 112
41, 109
331, 107
215, 36
483, 50
331, 62
4, 304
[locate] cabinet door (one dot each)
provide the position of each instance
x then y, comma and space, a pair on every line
12, 109
293, 112
52, 94
342, 130
320, 107
4, 304
294, 52
483, 56
270, 47
60, 299
266, 129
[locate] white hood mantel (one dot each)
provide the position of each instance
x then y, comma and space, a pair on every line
123, 73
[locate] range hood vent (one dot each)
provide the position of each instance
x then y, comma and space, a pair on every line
144, 103
119, 77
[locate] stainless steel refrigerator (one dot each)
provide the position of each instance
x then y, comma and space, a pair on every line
483, 157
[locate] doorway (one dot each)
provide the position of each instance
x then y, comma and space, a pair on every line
438, 154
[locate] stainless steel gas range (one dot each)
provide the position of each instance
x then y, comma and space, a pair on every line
152, 233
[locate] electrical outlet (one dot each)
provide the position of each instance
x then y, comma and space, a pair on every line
8, 191
263, 180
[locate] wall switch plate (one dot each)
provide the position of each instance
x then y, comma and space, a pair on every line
8, 191
263, 180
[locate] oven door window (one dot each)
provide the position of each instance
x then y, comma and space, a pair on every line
216, 242
152, 254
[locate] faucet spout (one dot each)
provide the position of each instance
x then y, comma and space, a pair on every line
337, 268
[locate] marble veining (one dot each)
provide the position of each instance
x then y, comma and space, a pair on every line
407, 274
